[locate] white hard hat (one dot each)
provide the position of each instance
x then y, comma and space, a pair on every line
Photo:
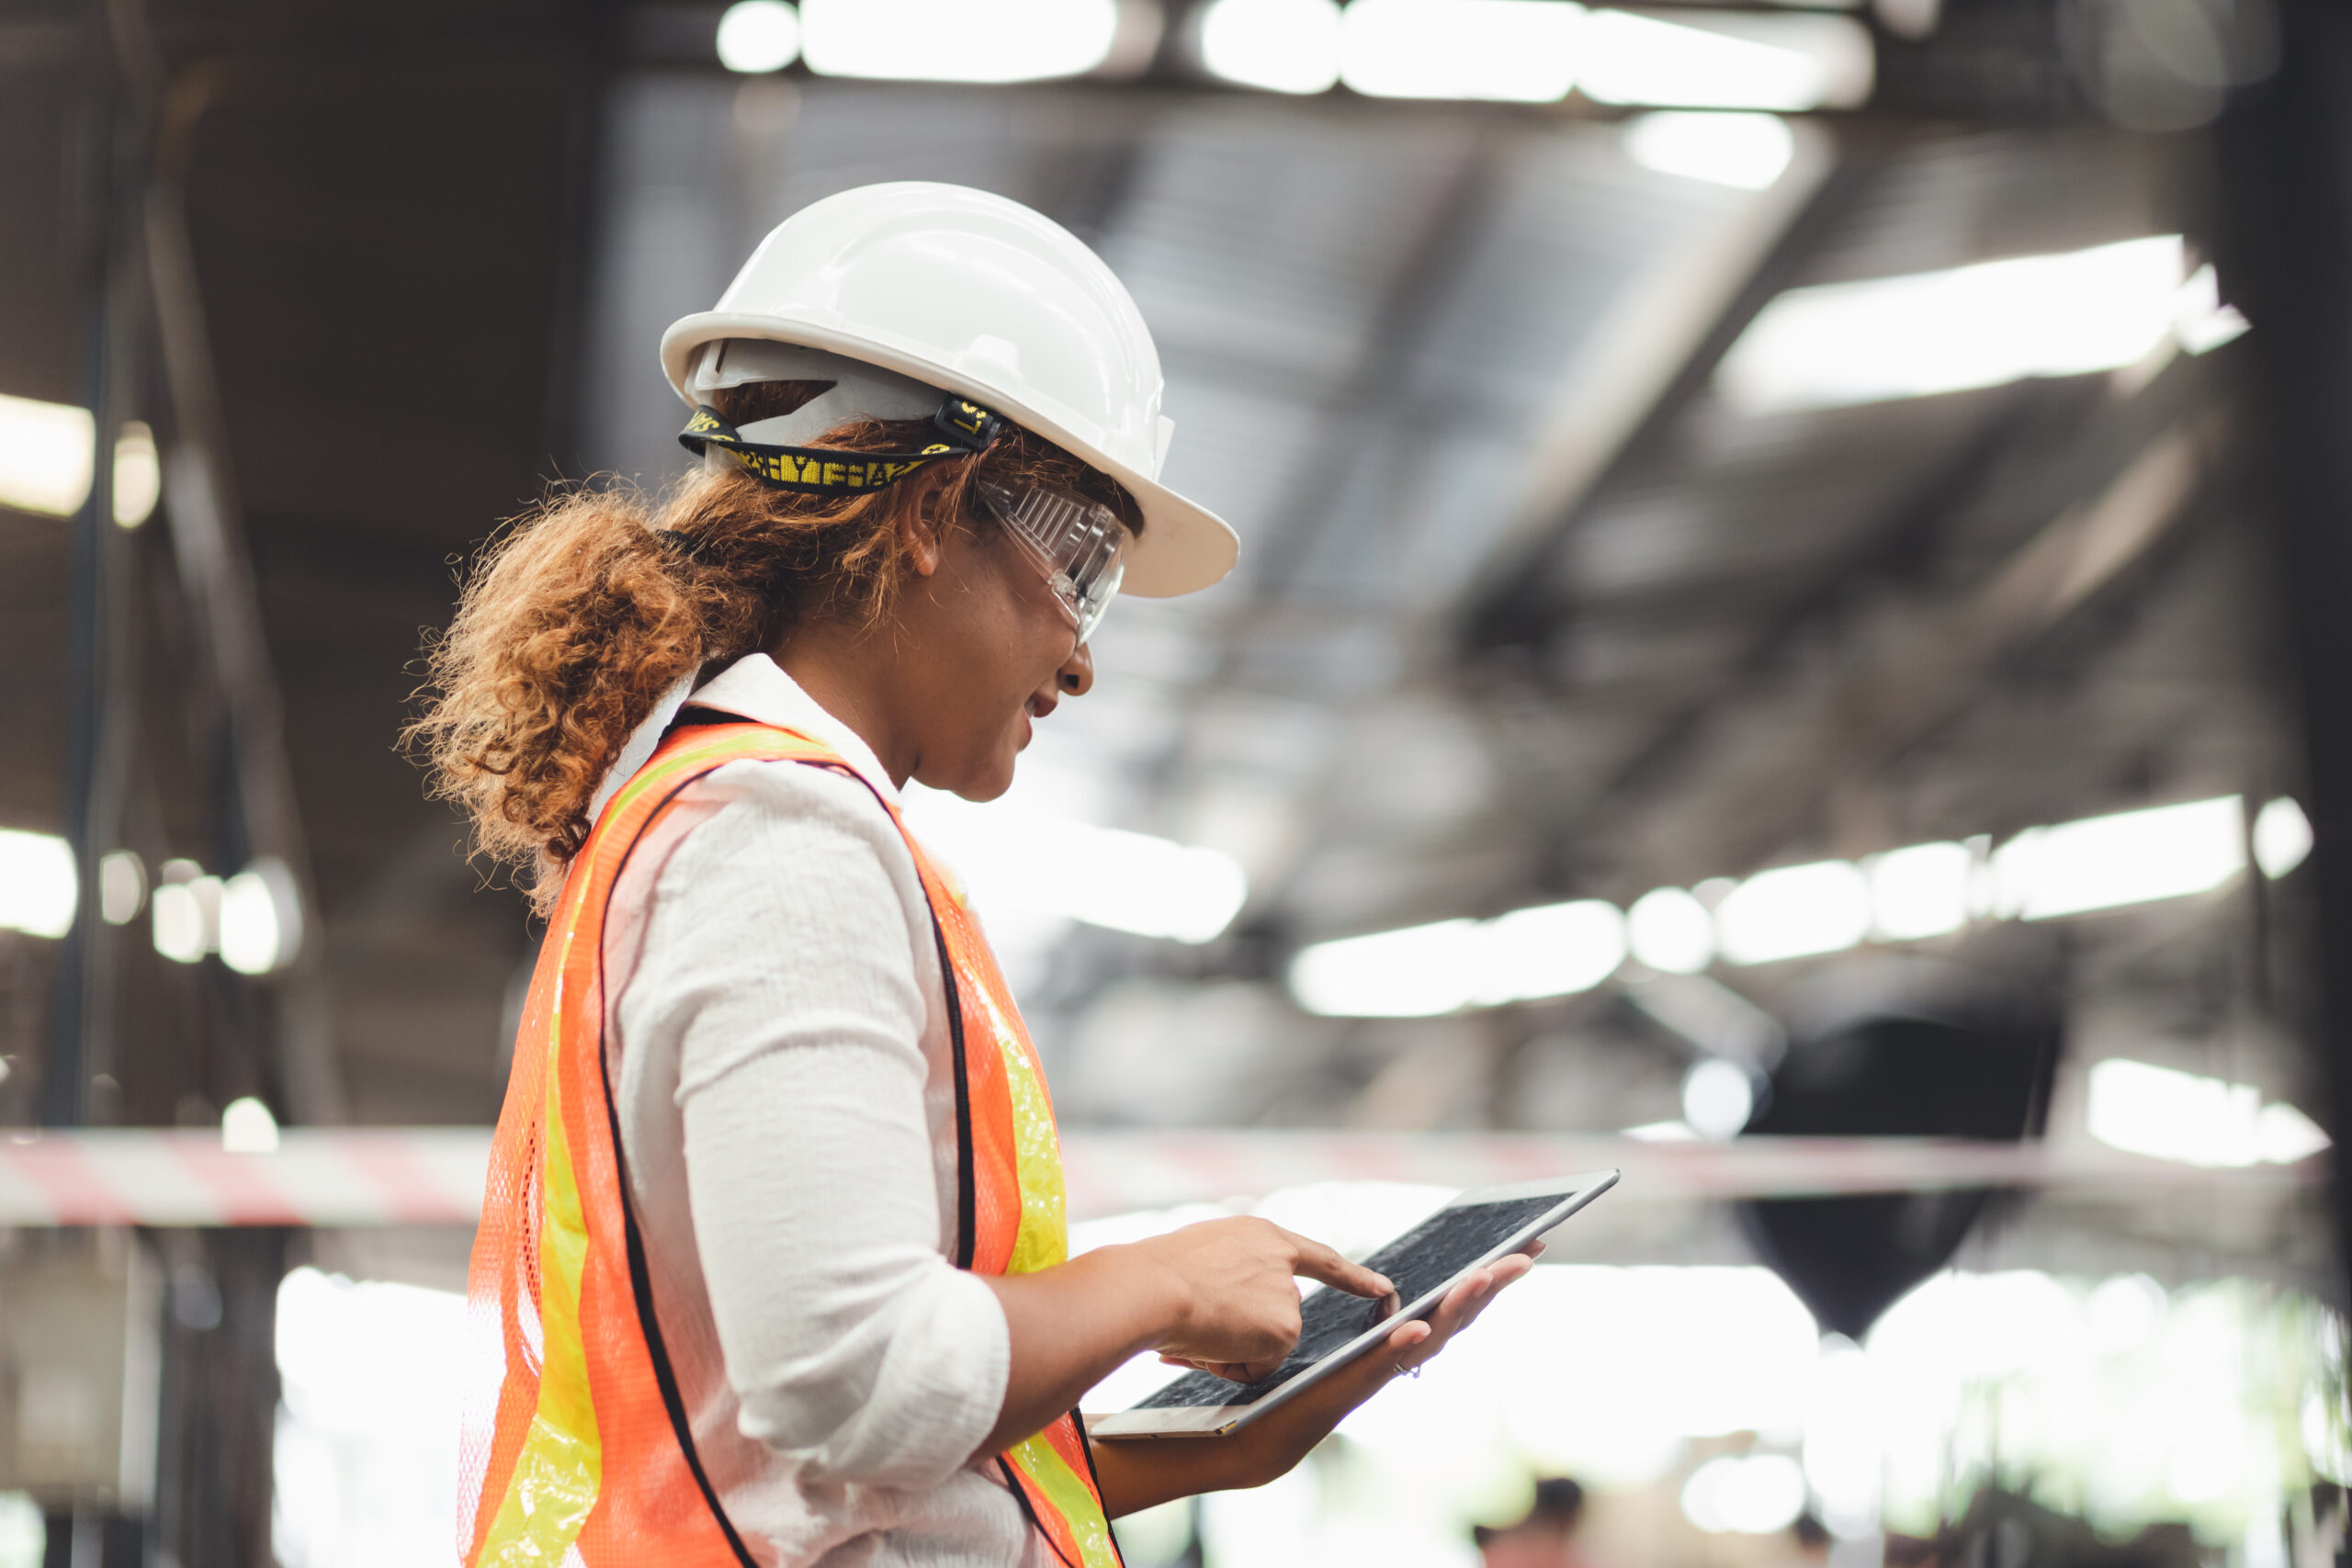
979, 296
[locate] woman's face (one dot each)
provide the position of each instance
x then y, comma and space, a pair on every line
1000, 654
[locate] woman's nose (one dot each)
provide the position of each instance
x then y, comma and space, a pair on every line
1076, 673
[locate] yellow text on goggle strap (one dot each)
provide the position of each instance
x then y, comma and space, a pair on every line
783, 467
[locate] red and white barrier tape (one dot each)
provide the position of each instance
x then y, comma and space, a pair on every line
1119, 1173
316, 1176
433, 1175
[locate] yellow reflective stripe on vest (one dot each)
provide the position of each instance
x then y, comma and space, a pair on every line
651, 778
1041, 1242
562, 1462
1042, 1463
1043, 1237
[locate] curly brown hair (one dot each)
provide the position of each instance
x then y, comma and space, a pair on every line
575, 616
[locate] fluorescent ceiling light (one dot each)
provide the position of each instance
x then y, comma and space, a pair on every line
138, 475
39, 889
1556, 950
122, 886
248, 1128
2200, 321
1718, 1097
2282, 836
1516, 51
1663, 1132
1980, 325
759, 36
1283, 46
1746, 151
1025, 865
260, 918
957, 41
2179, 1116
1796, 911
184, 915
177, 920
2131, 857
1152, 887
1553, 950
1417, 972
1725, 60
2284, 1134
1920, 891
1671, 931
44, 456
1793, 911
45, 462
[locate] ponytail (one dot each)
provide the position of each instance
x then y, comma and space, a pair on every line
572, 623
579, 616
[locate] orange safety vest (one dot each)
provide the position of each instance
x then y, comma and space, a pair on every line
577, 1441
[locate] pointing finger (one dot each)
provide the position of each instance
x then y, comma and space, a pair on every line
1313, 1261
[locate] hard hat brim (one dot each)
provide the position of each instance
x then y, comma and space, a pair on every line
1183, 547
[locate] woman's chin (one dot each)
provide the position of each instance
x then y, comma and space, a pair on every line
984, 785
987, 769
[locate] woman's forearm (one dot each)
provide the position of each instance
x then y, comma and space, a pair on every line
1070, 1327
1139, 1473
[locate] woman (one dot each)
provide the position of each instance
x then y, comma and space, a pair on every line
771, 1268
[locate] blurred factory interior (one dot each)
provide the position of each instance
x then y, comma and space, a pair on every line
1794, 636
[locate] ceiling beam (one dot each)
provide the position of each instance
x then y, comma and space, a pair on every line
1753, 771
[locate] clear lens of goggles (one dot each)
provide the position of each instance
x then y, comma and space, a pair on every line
1082, 545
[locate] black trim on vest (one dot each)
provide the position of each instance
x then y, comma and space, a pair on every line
1086, 1446
967, 1172
694, 716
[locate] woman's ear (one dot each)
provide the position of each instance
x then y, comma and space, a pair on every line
920, 526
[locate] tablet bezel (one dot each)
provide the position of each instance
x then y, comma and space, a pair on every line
1218, 1420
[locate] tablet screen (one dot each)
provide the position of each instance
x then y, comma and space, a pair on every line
1418, 1261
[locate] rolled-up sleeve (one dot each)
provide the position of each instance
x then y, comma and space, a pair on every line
779, 955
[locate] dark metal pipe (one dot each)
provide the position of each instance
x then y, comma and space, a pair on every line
2284, 194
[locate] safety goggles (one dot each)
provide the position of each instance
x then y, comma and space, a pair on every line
1081, 544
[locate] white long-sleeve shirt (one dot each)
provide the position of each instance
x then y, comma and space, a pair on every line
778, 1034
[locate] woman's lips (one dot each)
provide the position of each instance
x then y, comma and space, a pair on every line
1039, 705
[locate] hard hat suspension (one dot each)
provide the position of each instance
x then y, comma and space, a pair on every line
966, 429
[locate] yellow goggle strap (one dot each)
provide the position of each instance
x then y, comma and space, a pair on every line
965, 428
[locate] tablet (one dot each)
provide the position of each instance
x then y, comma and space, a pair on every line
1482, 1226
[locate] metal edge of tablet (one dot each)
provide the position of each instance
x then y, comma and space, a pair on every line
1577, 1192
1222, 1420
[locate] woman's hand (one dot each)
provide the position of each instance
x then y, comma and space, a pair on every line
1138, 1474
1238, 1314
1219, 1295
